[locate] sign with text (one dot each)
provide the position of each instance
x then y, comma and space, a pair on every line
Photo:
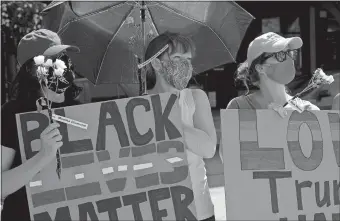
281, 168
128, 163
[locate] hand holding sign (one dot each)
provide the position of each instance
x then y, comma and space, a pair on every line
51, 140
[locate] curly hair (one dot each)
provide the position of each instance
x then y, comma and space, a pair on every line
248, 75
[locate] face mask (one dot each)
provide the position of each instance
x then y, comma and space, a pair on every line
282, 73
60, 85
177, 72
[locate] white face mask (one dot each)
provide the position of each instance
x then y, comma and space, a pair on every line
177, 72
282, 73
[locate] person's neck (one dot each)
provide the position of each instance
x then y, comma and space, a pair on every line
161, 87
273, 92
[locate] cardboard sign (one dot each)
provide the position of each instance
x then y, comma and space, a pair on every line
281, 168
129, 164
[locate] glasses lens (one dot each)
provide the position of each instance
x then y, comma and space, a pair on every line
293, 54
280, 56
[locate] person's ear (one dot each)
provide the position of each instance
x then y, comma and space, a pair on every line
156, 64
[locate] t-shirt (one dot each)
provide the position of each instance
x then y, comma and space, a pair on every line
244, 102
15, 206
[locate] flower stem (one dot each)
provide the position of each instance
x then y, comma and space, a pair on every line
308, 88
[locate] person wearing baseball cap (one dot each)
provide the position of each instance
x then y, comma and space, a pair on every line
269, 67
34, 52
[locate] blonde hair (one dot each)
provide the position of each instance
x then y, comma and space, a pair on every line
248, 75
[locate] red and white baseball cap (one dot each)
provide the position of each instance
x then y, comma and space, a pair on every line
270, 43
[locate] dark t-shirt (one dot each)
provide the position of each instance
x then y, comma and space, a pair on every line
15, 206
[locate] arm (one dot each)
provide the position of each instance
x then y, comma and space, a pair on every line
201, 139
220, 151
310, 106
16, 178
231, 105
336, 102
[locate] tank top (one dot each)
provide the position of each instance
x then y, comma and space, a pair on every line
202, 199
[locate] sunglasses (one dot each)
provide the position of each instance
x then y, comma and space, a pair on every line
281, 56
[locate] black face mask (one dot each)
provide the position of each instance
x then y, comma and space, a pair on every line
61, 85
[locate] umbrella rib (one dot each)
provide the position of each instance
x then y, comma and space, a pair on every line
237, 5
151, 19
113, 37
102, 10
192, 19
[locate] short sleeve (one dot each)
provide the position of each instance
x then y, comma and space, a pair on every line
233, 104
9, 134
336, 102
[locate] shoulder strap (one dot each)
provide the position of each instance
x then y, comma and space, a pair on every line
244, 103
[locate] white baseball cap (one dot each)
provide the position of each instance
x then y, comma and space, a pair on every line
271, 42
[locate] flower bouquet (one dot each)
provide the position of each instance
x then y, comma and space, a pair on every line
319, 78
51, 75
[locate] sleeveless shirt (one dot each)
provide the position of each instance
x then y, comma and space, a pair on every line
202, 199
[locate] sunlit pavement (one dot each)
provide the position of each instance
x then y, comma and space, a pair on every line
217, 196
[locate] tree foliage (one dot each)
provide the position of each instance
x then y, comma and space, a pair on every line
20, 17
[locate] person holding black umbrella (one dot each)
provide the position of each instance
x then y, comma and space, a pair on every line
168, 65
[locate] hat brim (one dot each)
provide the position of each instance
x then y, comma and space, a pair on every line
56, 49
290, 43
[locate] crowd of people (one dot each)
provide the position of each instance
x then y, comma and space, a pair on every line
269, 66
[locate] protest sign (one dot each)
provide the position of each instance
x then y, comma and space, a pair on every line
121, 160
281, 168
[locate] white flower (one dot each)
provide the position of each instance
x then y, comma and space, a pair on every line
60, 64
49, 63
39, 60
329, 79
41, 73
59, 72
321, 78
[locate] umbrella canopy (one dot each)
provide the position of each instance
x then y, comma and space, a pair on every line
112, 36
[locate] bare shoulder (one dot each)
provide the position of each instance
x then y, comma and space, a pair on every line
198, 94
336, 102
233, 103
